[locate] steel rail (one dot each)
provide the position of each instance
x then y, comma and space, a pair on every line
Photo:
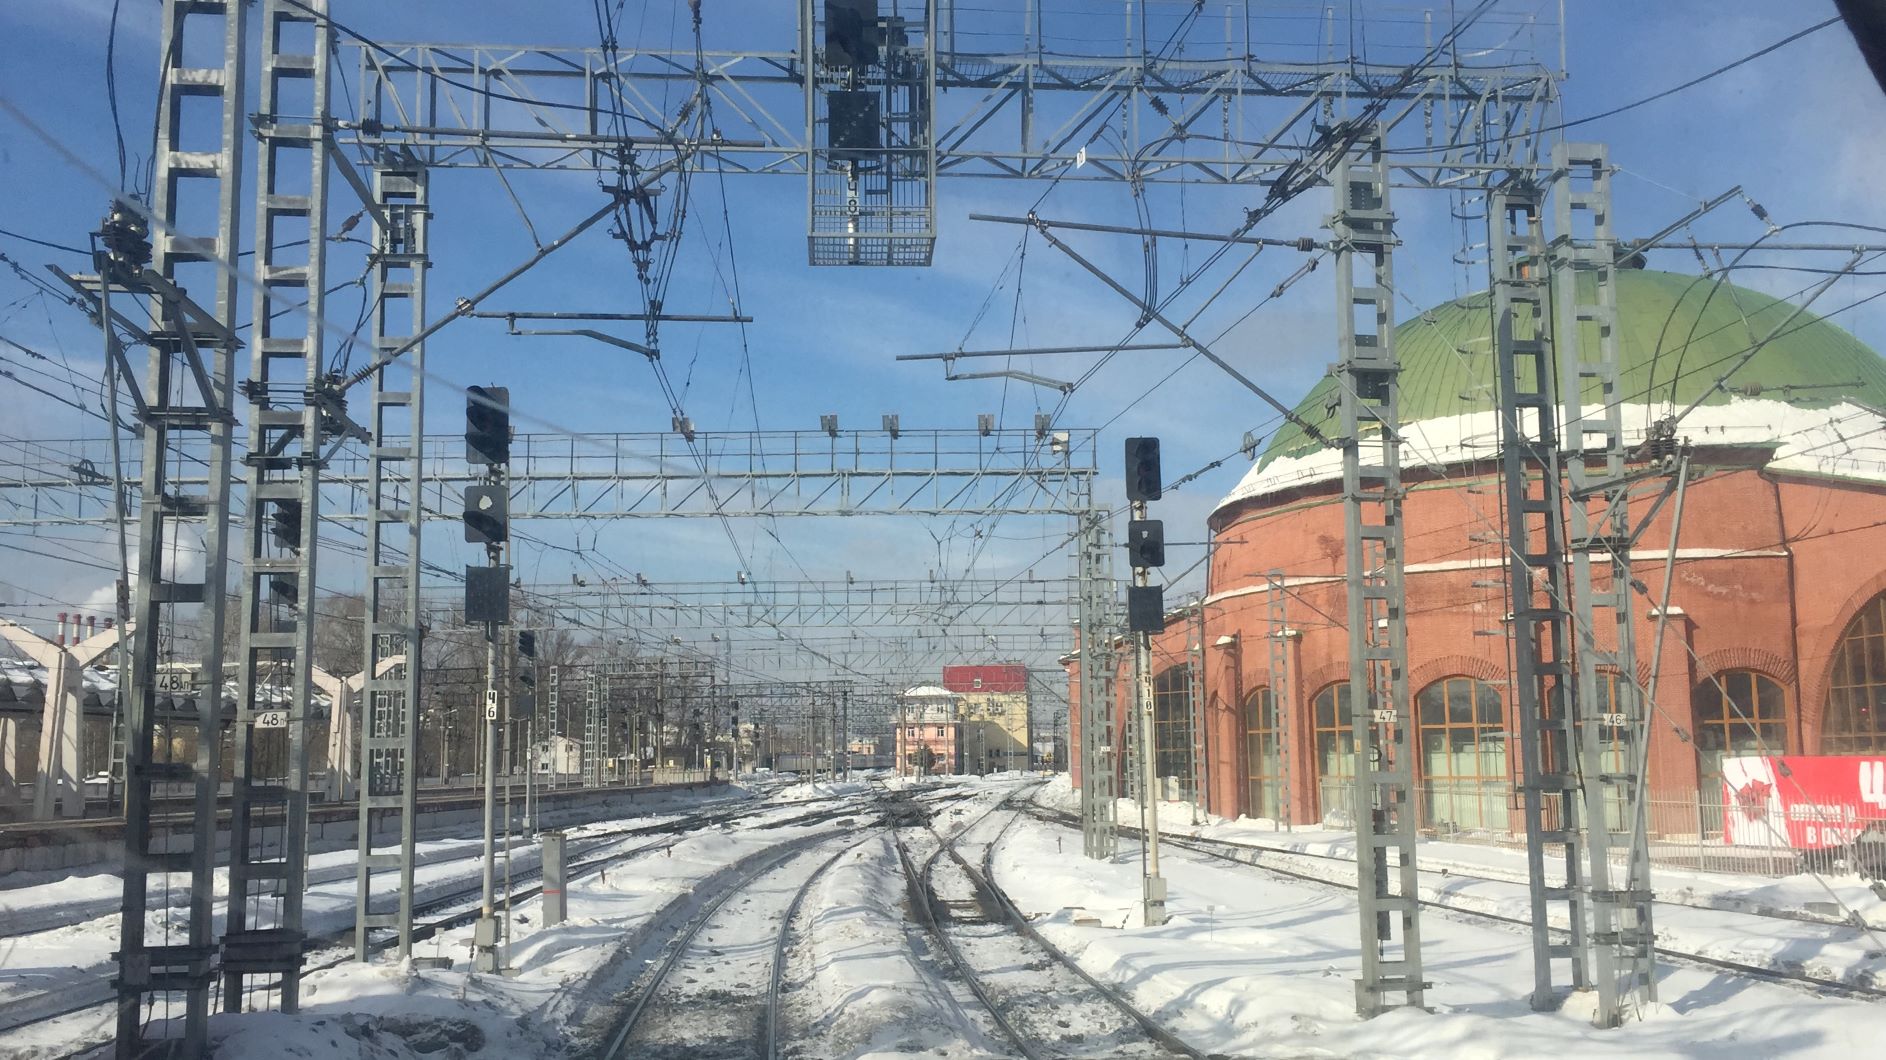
926, 903
681, 943
985, 880
341, 938
778, 976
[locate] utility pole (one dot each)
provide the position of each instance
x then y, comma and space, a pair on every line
1146, 615
527, 706
487, 601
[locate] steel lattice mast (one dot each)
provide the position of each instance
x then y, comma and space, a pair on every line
188, 389
1368, 377
1610, 707
389, 700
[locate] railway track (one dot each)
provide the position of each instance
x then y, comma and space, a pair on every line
445, 912
704, 999
1046, 1005
1267, 859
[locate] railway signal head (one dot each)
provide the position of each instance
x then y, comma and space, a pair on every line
488, 425
1142, 469
487, 515
1146, 542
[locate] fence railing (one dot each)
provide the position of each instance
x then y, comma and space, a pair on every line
1683, 831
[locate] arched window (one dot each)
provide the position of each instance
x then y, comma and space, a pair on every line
1464, 780
1333, 715
1738, 712
1262, 747
1172, 728
1855, 719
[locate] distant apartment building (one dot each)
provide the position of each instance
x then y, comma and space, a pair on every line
929, 734
994, 711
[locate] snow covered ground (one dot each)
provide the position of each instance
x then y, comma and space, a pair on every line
1253, 964
1250, 964
1713, 915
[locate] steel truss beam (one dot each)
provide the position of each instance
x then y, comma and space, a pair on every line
389, 728
606, 476
1369, 378
204, 343
1584, 300
290, 420
1023, 114
932, 605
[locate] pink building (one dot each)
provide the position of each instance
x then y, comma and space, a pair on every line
929, 733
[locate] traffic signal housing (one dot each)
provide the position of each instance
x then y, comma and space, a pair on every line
1142, 469
851, 33
1146, 542
488, 424
487, 514
1146, 609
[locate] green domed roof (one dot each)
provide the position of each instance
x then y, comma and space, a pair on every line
1678, 335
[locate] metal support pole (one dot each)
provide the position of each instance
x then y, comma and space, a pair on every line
394, 640
1153, 893
1599, 533
1098, 769
1281, 721
1368, 376
485, 931
149, 976
555, 901
1532, 492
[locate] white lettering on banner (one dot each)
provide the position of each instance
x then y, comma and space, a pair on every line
1873, 783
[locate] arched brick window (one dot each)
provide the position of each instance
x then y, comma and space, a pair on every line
1855, 718
1172, 728
1262, 746
1332, 713
1738, 712
1464, 780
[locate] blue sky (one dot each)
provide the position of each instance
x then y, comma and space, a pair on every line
1797, 129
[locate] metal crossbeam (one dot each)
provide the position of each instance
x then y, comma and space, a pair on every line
607, 476
1532, 491
394, 641
287, 428
1025, 113
1584, 299
936, 605
1368, 376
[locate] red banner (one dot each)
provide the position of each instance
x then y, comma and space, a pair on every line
1808, 802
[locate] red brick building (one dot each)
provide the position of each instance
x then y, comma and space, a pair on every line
1776, 638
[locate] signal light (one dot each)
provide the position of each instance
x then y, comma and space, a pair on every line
527, 643
487, 515
851, 33
1142, 469
1146, 542
488, 425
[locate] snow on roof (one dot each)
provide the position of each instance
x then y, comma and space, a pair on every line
928, 692
1829, 441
